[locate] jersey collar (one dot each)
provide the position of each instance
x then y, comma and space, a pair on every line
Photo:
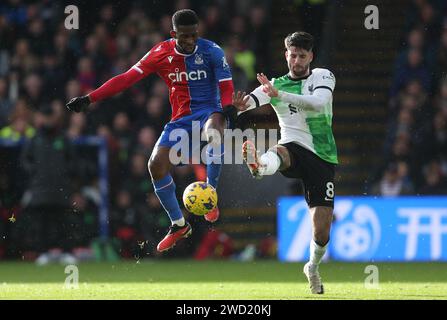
300, 78
183, 54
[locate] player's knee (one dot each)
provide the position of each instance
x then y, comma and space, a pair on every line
283, 153
321, 237
156, 168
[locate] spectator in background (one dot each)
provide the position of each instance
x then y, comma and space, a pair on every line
403, 124
85, 218
21, 126
137, 182
243, 57
5, 103
7, 37
155, 114
214, 25
435, 179
413, 68
77, 125
72, 89
412, 97
312, 13
422, 13
23, 60
395, 181
64, 54
431, 141
147, 137
259, 31
441, 98
238, 27
137, 108
413, 13
165, 26
113, 147
415, 88
123, 133
123, 46
441, 57
38, 37
123, 219
159, 89
107, 44
434, 142
431, 21
107, 17
95, 53
416, 40
49, 161
240, 79
53, 75
401, 151
86, 75
33, 90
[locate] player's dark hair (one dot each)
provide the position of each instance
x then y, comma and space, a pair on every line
184, 17
300, 39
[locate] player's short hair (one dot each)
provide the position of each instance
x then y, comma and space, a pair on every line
184, 17
300, 39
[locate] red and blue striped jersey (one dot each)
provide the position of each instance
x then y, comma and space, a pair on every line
193, 79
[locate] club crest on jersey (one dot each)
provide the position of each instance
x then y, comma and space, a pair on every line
331, 76
199, 59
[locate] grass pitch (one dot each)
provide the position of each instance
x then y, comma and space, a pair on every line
223, 280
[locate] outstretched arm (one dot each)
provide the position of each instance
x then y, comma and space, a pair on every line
316, 101
242, 102
320, 97
255, 99
113, 86
116, 85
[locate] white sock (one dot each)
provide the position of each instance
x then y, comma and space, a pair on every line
179, 222
316, 254
270, 163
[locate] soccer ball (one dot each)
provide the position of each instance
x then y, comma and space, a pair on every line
200, 198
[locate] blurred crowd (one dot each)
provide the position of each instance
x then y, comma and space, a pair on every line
415, 149
43, 65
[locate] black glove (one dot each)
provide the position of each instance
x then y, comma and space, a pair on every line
78, 104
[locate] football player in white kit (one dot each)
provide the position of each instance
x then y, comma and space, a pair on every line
302, 100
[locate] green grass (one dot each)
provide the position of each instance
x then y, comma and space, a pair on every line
210, 280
